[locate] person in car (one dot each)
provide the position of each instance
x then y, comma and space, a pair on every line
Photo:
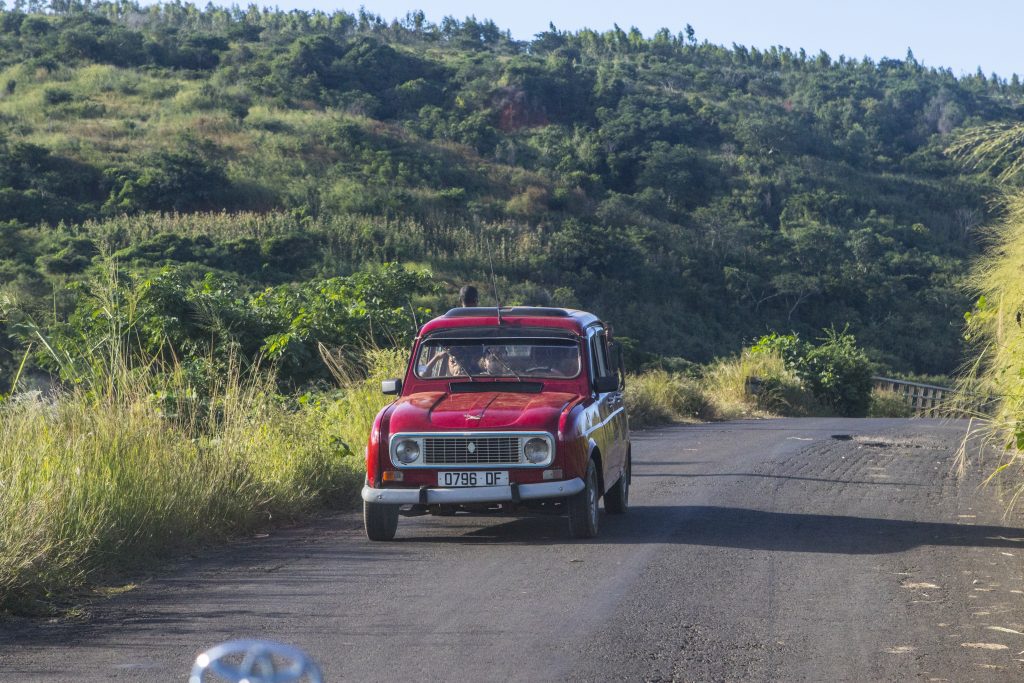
554, 361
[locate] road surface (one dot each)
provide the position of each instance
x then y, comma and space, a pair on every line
754, 550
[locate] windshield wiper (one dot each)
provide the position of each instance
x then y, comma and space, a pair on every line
459, 367
508, 367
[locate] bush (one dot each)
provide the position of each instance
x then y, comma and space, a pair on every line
186, 179
836, 371
53, 96
779, 391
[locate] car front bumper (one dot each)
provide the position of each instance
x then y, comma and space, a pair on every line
476, 494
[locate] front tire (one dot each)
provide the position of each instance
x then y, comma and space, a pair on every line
380, 521
616, 500
583, 506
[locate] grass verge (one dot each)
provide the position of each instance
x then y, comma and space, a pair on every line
93, 480
753, 384
992, 384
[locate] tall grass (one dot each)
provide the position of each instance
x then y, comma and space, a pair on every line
658, 396
778, 390
111, 475
722, 392
996, 327
885, 403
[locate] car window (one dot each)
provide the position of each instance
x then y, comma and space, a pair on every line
522, 358
599, 355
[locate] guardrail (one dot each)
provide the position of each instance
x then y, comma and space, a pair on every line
925, 400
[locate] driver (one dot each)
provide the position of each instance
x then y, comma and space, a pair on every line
554, 360
566, 362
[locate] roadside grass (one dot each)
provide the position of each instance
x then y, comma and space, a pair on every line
886, 403
776, 391
753, 384
115, 474
991, 386
658, 396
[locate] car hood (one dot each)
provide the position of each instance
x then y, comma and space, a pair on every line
438, 410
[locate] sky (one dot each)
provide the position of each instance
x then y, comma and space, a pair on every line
942, 33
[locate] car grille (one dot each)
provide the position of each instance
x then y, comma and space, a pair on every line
471, 450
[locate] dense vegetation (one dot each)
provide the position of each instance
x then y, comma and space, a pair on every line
697, 195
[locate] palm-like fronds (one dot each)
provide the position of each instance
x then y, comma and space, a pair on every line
997, 149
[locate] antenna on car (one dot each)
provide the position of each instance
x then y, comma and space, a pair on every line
494, 282
415, 320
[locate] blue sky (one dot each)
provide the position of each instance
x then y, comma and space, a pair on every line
942, 33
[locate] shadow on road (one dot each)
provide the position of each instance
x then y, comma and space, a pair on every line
728, 527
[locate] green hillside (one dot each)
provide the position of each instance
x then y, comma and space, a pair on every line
696, 195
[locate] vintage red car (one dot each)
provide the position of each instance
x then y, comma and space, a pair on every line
511, 409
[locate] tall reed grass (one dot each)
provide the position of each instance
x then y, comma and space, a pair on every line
658, 396
994, 379
722, 392
111, 475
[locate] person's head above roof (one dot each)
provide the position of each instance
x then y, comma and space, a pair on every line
468, 296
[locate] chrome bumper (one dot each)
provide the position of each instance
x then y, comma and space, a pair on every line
475, 494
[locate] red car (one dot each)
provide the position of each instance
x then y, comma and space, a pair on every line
502, 410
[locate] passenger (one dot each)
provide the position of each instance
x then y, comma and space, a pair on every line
452, 361
490, 364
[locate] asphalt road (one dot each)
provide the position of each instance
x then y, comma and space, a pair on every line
754, 550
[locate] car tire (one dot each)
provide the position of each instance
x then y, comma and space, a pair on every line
380, 521
616, 500
583, 506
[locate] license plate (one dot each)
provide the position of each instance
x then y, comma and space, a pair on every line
472, 478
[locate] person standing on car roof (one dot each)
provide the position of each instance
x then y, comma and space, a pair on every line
455, 360
465, 361
468, 296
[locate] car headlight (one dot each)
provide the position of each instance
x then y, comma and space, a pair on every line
407, 451
537, 450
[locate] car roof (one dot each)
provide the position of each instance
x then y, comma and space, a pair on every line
513, 318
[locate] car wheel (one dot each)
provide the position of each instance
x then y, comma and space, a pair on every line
380, 521
583, 506
616, 501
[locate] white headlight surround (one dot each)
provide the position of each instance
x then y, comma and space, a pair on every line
537, 450
407, 451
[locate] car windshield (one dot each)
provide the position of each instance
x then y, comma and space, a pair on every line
521, 358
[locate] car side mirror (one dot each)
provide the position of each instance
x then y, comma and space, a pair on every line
391, 387
603, 385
